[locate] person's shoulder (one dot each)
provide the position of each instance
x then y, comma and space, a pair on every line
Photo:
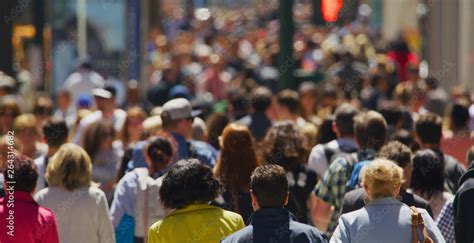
157, 226
235, 217
93, 192
354, 195
46, 214
42, 194
243, 235
297, 229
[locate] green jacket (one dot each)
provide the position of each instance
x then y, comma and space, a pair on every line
195, 223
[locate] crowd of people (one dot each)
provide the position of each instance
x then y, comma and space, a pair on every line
212, 150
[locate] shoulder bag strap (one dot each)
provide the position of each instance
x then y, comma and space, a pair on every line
417, 220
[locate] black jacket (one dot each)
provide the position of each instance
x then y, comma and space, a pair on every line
276, 225
355, 200
463, 208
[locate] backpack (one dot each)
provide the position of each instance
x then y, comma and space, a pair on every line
148, 207
354, 167
331, 153
354, 181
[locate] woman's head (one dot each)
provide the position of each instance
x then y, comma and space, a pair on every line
70, 168
382, 178
26, 130
216, 124
238, 157
285, 145
98, 137
158, 153
188, 182
9, 110
428, 173
133, 126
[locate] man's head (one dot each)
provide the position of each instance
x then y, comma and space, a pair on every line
158, 153
269, 187
261, 99
177, 116
25, 173
401, 155
63, 99
428, 130
370, 130
55, 133
105, 98
343, 125
287, 103
200, 132
392, 113
459, 117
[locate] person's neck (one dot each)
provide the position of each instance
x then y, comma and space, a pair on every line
52, 150
29, 150
430, 146
461, 131
347, 136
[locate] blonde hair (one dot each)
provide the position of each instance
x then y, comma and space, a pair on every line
382, 177
70, 168
25, 121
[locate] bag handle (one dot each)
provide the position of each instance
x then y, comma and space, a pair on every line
417, 220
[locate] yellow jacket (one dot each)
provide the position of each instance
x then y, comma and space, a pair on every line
195, 223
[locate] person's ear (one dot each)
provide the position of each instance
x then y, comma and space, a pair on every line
255, 205
334, 128
286, 198
366, 188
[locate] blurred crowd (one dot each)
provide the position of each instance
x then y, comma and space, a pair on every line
210, 143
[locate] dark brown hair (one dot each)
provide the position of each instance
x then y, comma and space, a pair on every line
370, 130
286, 145
270, 186
94, 135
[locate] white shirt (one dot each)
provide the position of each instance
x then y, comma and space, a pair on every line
83, 82
40, 182
117, 119
317, 160
81, 215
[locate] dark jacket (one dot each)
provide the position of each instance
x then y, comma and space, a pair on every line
258, 124
355, 200
453, 170
463, 208
276, 225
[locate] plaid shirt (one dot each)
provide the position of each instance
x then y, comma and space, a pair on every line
332, 187
445, 221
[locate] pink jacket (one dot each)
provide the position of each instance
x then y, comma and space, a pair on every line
23, 220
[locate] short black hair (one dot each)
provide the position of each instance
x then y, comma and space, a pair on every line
290, 99
428, 172
111, 89
344, 118
188, 182
459, 116
396, 152
403, 136
159, 149
428, 128
55, 132
391, 112
261, 98
25, 173
370, 130
269, 185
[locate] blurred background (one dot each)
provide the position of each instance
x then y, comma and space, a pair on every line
44, 41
